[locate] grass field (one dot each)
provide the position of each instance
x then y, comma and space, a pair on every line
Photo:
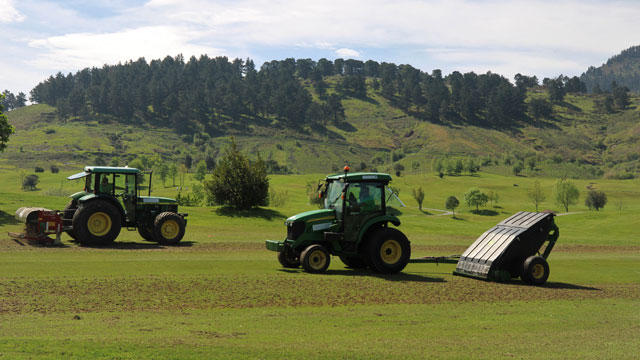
221, 295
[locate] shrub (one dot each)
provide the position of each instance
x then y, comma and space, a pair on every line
54, 169
30, 182
238, 182
596, 200
277, 198
39, 169
312, 194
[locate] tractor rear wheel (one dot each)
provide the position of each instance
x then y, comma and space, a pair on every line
168, 228
289, 259
535, 270
353, 262
146, 231
67, 217
388, 251
97, 223
315, 259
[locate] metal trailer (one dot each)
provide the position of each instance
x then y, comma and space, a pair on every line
511, 249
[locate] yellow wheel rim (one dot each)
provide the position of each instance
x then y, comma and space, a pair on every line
99, 224
538, 271
317, 260
391, 251
169, 229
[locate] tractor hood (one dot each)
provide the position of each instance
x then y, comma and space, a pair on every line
313, 215
151, 200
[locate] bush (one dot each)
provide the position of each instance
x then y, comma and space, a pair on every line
39, 169
30, 182
277, 198
596, 200
54, 169
238, 182
312, 194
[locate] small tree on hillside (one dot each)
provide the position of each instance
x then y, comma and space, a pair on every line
201, 170
517, 168
163, 172
238, 182
30, 182
566, 193
595, 199
476, 197
418, 195
5, 128
536, 195
173, 172
451, 204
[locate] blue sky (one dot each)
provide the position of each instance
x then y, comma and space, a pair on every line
543, 38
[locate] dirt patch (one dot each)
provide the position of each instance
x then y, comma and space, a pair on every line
76, 296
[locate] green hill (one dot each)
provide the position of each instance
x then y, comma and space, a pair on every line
623, 68
576, 141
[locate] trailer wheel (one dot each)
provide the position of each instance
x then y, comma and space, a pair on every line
146, 231
315, 259
97, 223
353, 262
535, 270
289, 259
67, 217
168, 228
388, 251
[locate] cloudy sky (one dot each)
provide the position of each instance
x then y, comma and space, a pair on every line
545, 38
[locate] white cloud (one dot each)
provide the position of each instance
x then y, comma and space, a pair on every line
347, 53
76, 51
8, 12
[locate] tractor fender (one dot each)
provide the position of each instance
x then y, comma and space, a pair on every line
374, 223
93, 197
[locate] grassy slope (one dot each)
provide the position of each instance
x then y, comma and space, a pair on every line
222, 295
373, 127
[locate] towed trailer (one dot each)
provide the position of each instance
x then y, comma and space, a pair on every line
513, 248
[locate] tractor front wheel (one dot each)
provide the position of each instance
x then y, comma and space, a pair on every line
353, 262
315, 259
168, 228
535, 270
97, 223
289, 259
388, 251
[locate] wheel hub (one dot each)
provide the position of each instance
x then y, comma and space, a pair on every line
317, 260
391, 251
169, 229
99, 224
537, 271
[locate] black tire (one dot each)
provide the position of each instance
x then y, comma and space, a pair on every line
289, 259
146, 231
388, 251
168, 228
353, 262
535, 270
67, 217
97, 222
315, 259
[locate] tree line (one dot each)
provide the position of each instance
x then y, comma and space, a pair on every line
10, 101
213, 94
620, 69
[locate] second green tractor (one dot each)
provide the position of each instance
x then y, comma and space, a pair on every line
353, 225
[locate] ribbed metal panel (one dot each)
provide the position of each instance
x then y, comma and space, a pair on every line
486, 253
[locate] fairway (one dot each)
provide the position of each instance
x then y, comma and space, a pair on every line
220, 294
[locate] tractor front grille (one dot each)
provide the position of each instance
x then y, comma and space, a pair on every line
295, 229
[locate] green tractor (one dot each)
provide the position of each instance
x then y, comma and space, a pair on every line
111, 199
354, 225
